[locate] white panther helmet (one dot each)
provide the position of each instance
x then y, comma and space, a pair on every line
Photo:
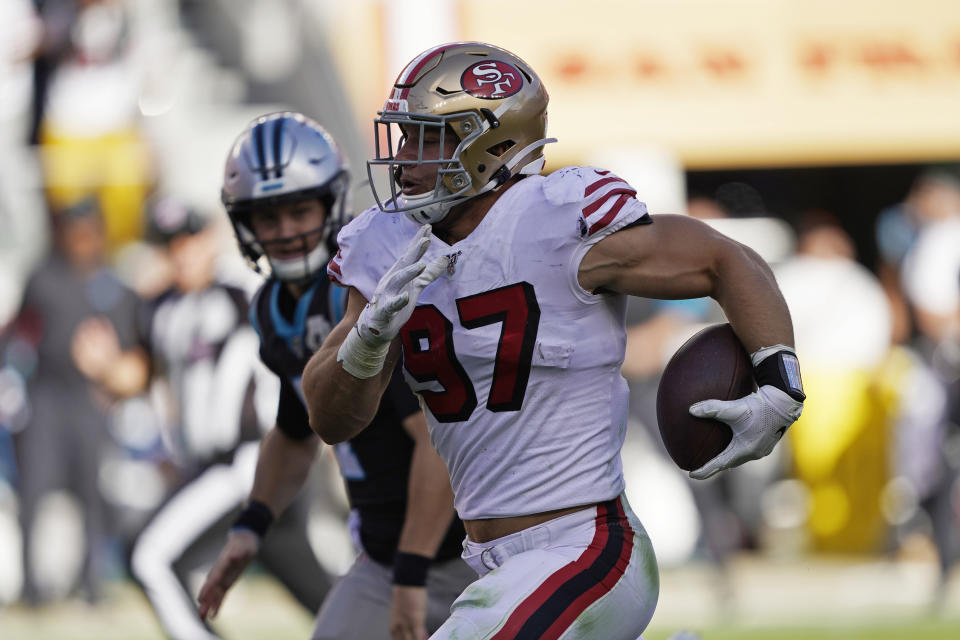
283, 157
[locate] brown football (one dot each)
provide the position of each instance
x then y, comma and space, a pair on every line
711, 365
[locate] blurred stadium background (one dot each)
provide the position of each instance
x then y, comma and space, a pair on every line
823, 134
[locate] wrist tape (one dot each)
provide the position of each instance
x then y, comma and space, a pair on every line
778, 366
410, 569
359, 358
256, 517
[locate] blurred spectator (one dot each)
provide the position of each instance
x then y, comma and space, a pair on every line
87, 83
19, 39
931, 278
931, 281
934, 196
843, 326
21, 232
69, 387
203, 355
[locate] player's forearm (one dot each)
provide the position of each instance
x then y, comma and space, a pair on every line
429, 503
282, 469
750, 298
339, 404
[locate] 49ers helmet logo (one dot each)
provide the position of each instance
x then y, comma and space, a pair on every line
491, 80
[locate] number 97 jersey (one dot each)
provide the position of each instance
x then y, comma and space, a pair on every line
517, 366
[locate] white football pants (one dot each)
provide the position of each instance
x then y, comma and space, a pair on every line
586, 575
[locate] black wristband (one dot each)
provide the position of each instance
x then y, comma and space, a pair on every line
781, 370
256, 517
410, 569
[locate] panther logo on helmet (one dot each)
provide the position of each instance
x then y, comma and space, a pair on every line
491, 80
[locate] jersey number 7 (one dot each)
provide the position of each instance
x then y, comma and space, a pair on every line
429, 354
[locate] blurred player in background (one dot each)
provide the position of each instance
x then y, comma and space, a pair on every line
70, 387
285, 190
200, 352
505, 292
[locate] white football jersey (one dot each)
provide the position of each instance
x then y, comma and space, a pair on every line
517, 366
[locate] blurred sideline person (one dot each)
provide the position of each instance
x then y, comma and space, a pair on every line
933, 198
89, 71
505, 292
70, 389
285, 186
841, 448
200, 352
931, 277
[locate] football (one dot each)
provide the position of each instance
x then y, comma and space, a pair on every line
713, 364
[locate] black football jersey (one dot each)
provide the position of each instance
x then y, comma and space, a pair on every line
376, 463
201, 343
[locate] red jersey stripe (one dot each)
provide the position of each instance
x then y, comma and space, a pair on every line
609, 216
599, 183
333, 269
591, 208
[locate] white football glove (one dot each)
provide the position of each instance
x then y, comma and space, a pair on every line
758, 422
363, 351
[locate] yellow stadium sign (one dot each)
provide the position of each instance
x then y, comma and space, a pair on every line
742, 82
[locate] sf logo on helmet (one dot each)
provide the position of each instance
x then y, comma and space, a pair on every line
491, 80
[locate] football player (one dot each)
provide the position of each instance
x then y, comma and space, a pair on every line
197, 342
285, 190
505, 292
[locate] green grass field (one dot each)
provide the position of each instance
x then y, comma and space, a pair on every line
803, 600
904, 630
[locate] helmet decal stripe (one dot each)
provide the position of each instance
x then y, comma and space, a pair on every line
410, 72
258, 147
277, 143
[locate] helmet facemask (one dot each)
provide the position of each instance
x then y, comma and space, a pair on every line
453, 183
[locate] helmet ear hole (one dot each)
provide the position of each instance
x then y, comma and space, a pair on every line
501, 148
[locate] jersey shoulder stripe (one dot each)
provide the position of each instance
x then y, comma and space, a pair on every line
606, 195
605, 201
334, 272
368, 247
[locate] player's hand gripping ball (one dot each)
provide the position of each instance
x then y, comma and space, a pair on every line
713, 364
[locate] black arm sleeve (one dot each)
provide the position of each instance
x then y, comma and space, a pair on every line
292, 417
405, 403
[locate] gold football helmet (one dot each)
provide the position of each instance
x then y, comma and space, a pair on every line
490, 99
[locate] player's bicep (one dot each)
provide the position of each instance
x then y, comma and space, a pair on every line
675, 257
